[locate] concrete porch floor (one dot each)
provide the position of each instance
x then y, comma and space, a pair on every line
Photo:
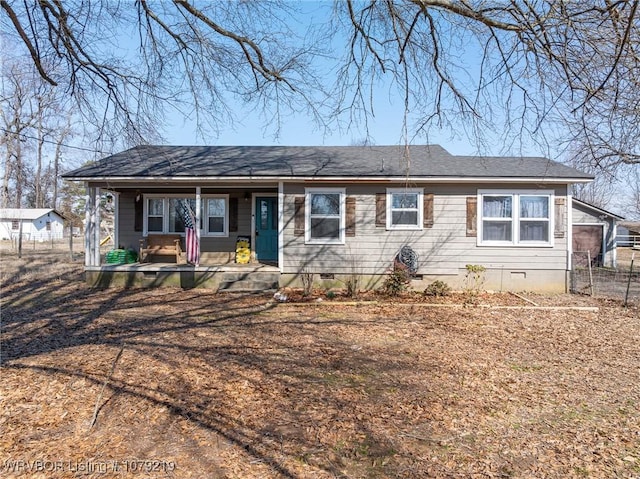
252, 277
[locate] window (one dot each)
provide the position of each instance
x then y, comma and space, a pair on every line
173, 214
155, 212
216, 216
15, 225
519, 219
404, 208
48, 225
182, 212
325, 218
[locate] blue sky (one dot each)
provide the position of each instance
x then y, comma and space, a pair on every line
383, 129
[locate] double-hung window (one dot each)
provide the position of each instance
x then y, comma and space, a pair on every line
404, 208
522, 218
325, 215
217, 215
155, 215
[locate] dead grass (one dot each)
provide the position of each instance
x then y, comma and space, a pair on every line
237, 386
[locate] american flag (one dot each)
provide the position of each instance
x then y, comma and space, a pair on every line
193, 248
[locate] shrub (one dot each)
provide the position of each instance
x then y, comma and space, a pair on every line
351, 285
397, 281
474, 279
307, 281
437, 288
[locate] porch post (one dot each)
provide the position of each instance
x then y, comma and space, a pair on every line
614, 234
197, 225
96, 246
116, 215
280, 226
88, 225
569, 227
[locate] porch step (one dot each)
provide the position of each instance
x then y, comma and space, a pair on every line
249, 281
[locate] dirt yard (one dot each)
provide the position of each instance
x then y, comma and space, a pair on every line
190, 384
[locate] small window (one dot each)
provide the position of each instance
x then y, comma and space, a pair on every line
15, 225
517, 219
48, 225
404, 208
216, 216
325, 221
155, 215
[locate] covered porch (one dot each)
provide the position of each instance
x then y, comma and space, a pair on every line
236, 227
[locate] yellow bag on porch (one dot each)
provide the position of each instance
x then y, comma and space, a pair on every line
243, 251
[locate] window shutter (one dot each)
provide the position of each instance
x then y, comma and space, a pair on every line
560, 217
381, 209
350, 213
233, 214
472, 213
138, 214
298, 221
427, 216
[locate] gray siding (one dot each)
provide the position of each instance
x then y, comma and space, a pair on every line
127, 237
444, 249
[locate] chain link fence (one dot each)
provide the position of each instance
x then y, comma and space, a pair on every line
622, 283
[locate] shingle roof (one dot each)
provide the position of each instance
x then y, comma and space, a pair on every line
26, 213
426, 161
578, 202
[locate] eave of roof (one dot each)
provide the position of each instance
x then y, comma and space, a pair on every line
597, 209
27, 213
330, 179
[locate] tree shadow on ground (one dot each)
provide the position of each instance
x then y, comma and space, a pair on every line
223, 363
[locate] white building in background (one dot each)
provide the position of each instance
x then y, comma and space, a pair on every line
38, 224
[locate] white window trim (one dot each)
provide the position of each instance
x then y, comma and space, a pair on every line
307, 215
145, 215
515, 218
205, 222
420, 208
165, 212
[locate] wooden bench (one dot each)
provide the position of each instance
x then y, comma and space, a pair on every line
161, 245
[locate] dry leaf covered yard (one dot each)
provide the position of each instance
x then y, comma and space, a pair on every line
172, 383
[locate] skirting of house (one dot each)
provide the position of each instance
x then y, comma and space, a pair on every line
539, 281
260, 277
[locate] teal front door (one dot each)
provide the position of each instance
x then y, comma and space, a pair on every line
266, 228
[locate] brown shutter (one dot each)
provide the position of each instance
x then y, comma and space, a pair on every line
138, 219
298, 220
427, 218
560, 217
350, 213
233, 214
381, 209
472, 213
